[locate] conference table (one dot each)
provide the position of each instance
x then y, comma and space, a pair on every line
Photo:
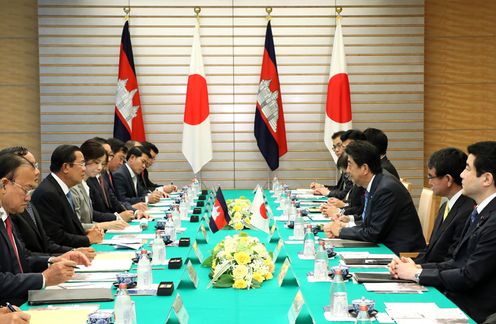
270, 303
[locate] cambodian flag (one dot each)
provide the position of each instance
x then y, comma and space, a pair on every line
270, 129
128, 120
220, 214
197, 138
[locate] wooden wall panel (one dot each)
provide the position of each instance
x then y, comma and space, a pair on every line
79, 42
19, 88
460, 73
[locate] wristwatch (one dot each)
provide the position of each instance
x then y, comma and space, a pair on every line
417, 275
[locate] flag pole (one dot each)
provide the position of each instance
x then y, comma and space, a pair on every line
268, 10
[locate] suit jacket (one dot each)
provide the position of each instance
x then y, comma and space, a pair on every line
124, 186
355, 200
82, 206
445, 234
468, 278
98, 199
387, 165
34, 236
148, 184
59, 219
112, 193
390, 218
342, 187
14, 285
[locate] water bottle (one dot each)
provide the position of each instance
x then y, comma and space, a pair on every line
158, 250
363, 315
176, 217
339, 298
183, 208
122, 306
170, 229
320, 270
292, 211
309, 242
299, 227
275, 183
196, 186
144, 271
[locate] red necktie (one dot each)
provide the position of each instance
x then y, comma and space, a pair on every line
8, 227
110, 179
102, 187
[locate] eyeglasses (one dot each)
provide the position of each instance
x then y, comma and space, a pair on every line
27, 191
81, 164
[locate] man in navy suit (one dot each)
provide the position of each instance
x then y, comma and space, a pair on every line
389, 216
128, 186
19, 270
468, 277
53, 200
445, 167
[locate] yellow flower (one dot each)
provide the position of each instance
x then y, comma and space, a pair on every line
240, 284
243, 239
247, 220
238, 226
237, 215
268, 276
258, 277
242, 258
237, 208
240, 271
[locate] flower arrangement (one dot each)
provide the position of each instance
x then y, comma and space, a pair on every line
240, 212
241, 262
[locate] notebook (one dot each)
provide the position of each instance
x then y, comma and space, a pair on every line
340, 243
62, 296
362, 277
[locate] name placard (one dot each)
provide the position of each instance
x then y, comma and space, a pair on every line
179, 310
271, 232
192, 273
204, 232
295, 308
284, 270
277, 250
198, 253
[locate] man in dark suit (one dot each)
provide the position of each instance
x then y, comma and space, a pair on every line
153, 150
19, 270
28, 223
445, 167
53, 200
117, 158
128, 187
379, 139
389, 216
344, 184
468, 277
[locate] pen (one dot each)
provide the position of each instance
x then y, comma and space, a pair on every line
10, 307
71, 266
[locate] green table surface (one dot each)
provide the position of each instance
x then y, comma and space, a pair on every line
268, 304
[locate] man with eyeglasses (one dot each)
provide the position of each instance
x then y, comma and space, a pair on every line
444, 169
19, 270
29, 224
55, 203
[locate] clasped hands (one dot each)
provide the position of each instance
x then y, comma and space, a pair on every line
403, 268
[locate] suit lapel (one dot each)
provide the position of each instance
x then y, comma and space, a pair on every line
130, 179
13, 258
373, 188
439, 225
66, 203
482, 219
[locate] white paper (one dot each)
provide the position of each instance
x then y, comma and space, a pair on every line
81, 285
394, 287
115, 265
94, 277
129, 229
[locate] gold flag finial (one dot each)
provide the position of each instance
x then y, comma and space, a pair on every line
127, 10
268, 10
338, 12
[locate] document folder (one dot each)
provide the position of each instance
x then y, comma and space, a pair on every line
60, 296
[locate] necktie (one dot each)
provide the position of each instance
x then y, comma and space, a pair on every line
29, 209
8, 227
110, 180
474, 216
104, 192
365, 205
71, 201
446, 211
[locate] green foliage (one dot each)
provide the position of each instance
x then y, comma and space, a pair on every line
224, 281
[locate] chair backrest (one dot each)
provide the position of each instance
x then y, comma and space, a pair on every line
408, 185
427, 211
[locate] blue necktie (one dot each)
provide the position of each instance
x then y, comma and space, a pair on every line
474, 216
365, 205
69, 198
